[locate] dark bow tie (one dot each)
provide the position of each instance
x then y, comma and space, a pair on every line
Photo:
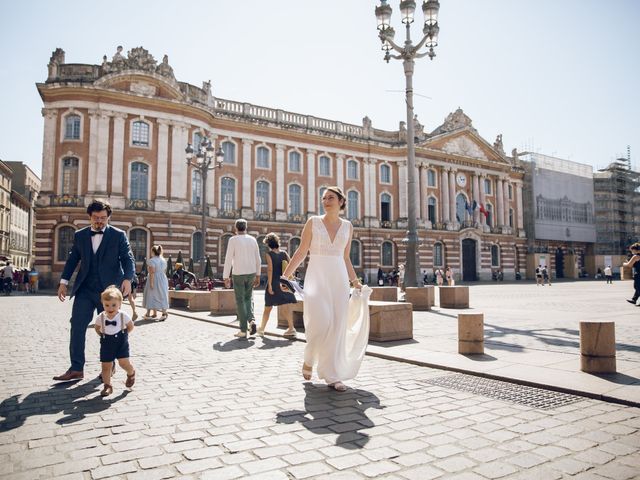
99, 232
109, 322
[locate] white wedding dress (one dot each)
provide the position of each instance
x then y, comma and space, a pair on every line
336, 327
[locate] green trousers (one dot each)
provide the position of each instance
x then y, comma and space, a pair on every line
243, 289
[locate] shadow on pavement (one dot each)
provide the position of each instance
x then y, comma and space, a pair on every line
234, 344
80, 409
618, 377
59, 398
329, 412
270, 343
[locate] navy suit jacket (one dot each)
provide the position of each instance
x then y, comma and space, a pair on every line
115, 260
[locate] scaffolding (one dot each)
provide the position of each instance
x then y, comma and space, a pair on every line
617, 207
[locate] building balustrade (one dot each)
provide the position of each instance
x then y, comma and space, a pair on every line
138, 204
66, 200
357, 222
264, 216
296, 218
229, 214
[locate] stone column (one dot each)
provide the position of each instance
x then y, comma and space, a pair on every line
403, 190
373, 190
247, 183
444, 196
179, 170
117, 164
102, 170
281, 212
49, 178
520, 223
311, 182
340, 171
163, 159
94, 117
452, 196
366, 181
506, 202
499, 203
476, 197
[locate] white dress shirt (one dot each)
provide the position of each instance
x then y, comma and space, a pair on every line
243, 256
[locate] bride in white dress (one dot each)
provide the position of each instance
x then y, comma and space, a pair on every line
336, 328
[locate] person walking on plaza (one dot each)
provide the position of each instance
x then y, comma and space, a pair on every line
449, 276
336, 328
608, 275
439, 277
634, 264
277, 261
546, 276
243, 258
105, 258
114, 326
539, 276
156, 288
401, 277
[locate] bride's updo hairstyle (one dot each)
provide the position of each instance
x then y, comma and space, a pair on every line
341, 198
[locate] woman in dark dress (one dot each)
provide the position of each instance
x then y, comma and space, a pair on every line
276, 263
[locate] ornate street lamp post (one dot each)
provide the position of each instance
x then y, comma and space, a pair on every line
206, 158
408, 53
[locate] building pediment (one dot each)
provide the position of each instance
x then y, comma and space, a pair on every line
466, 143
148, 84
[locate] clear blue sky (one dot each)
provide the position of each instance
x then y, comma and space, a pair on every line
558, 77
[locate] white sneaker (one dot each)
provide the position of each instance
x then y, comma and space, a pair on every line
241, 335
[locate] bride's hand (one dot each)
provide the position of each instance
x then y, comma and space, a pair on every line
356, 284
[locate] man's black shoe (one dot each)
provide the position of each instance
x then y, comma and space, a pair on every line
632, 301
254, 329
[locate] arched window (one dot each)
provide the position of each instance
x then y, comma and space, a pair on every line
139, 189
438, 257
263, 250
495, 256
385, 207
431, 210
196, 246
263, 160
487, 186
197, 141
431, 178
320, 206
140, 134
324, 166
229, 150
262, 197
70, 176
294, 244
387, 254
224, 242
354, 253
352, 170
489, 215
227, 194
138, 241
196, 187
72, 127
295, 162
461, 210
385, 173
352, 205
65, 242
295, 199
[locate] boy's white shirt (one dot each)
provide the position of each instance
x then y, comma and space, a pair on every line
111, 329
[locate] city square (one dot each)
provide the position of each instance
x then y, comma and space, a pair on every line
450, 189
207, 405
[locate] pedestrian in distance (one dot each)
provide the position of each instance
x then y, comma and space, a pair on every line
401, 277
634, 264
105, 258
114, 326
277, 261
546, 276
336, 327
132, 297
243, 259
439, 277
183, 279
156, 288
449, 276
539, 276
608, 275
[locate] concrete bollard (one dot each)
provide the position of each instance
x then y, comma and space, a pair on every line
471, 333
597, 347
422, 298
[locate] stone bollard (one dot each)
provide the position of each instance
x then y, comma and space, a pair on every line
597, 347
471, 333
454, 297
422, 298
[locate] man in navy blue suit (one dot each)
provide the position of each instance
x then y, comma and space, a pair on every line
105, 259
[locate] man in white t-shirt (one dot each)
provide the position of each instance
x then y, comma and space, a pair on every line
608, 275
243, 257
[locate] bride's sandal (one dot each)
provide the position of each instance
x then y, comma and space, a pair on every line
338, 386
306, 371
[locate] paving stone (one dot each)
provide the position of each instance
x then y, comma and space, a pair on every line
495, 470
375, 469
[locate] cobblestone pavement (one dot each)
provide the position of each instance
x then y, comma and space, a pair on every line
208, 406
